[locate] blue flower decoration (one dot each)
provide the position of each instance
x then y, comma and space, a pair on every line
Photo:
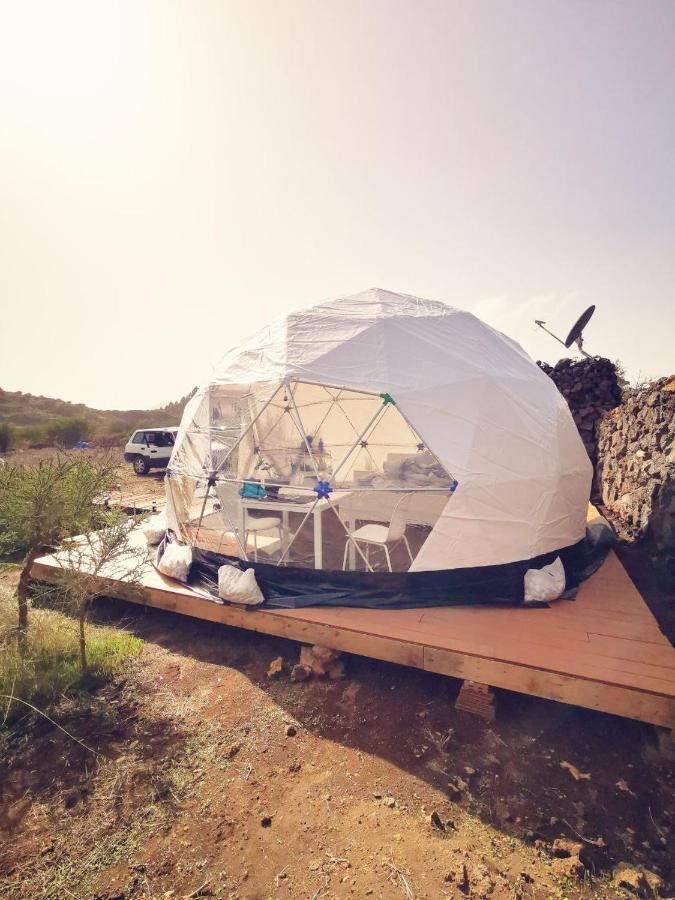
453, 485
323, 489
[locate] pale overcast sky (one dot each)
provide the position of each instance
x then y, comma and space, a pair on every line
175, 174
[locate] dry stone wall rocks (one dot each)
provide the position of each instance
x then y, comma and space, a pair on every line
591, 387
636, 467
631, 442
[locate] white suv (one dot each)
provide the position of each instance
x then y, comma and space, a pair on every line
150, 448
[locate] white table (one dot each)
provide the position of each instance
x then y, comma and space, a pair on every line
424, 509
283, 507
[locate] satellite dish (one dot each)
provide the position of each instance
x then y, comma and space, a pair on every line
575, 332
575, 335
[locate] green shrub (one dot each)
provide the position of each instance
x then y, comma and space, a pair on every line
23, 436
65, 432
32, 436
7, 437
112, 437
40, 507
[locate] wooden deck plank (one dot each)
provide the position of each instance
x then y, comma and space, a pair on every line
644, 659
433, 628
570, 614
565, 611
596, 604
297, 627
622, 701
578, 660
501, 621
303, 626
537, 626
624, 648
404, 626
603, 651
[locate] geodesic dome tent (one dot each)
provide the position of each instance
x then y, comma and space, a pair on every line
380, 450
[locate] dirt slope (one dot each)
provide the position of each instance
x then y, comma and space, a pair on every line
28, 409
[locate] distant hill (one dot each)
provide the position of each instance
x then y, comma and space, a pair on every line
31, 418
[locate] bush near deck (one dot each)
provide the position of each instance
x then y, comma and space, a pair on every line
50, 665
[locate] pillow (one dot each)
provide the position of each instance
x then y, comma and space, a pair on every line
239, 587
393, 469
154, 528
252, 490
176, 561
547, 583
419, 479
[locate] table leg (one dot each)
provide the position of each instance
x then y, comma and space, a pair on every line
243, 529
349, 522
284, 531
318, 548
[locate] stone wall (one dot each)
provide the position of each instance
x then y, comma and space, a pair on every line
631, 442
591, 387
636, 468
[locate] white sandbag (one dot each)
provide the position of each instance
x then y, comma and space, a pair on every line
154, 528
176, 561
239, 587
547, 583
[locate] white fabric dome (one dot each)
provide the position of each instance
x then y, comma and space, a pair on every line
476, 400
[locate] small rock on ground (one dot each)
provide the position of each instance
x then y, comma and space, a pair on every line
637, 880
300, 672
276, 668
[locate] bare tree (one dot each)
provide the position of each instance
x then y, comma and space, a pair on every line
87, 562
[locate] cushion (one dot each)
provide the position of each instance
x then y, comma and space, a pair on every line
392, 468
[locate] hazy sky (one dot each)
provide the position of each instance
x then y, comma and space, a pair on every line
173, 175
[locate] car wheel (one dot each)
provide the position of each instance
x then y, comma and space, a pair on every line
141, 465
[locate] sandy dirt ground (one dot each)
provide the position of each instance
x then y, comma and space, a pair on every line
132, 489
212, 780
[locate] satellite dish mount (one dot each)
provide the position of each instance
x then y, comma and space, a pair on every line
576, 332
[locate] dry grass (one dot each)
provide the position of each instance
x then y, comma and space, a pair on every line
50, 668
126, 798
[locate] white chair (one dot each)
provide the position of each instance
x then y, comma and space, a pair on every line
231, 506
383, 535
266, 523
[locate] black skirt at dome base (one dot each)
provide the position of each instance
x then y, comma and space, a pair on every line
288, 587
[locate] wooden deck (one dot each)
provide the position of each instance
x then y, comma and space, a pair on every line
133, 503
603, 651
